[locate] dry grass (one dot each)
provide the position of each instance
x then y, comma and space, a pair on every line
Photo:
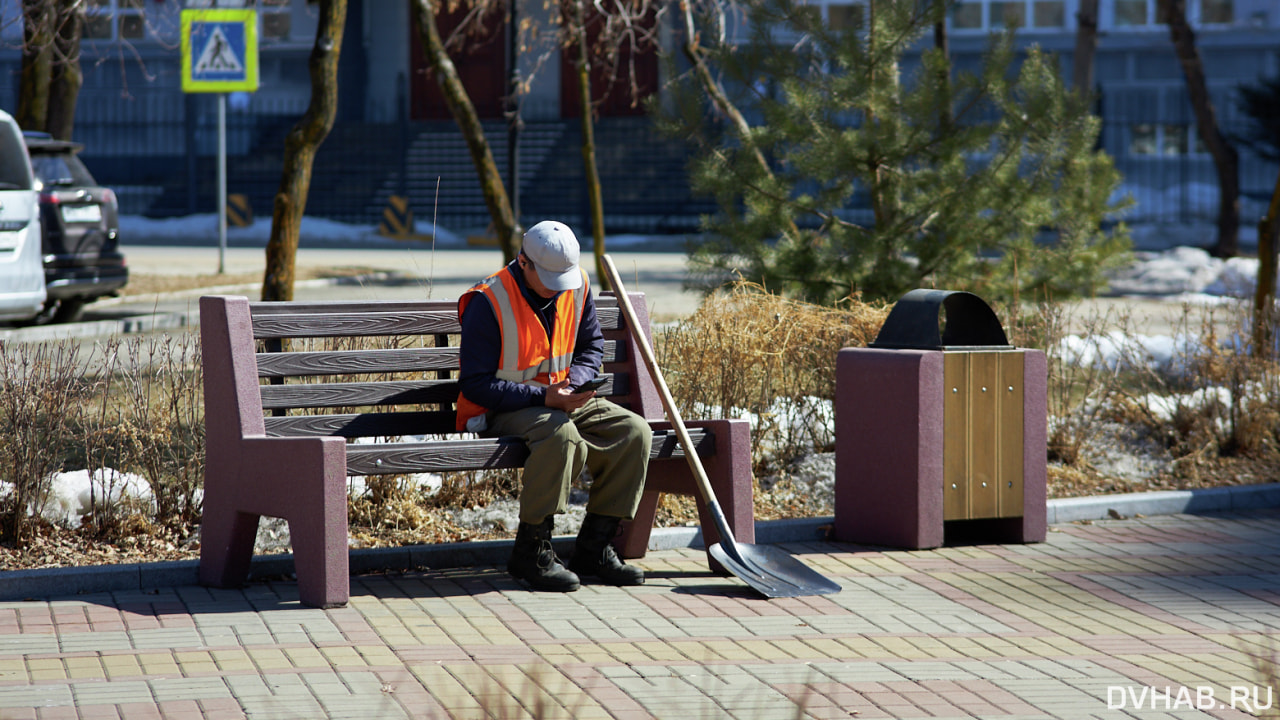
749, 351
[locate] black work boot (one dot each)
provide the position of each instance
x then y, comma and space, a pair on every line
593, 553
534, 561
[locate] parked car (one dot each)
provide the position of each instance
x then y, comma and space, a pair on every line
81, 224
22, 285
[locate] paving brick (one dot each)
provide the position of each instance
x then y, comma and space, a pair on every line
1014, 631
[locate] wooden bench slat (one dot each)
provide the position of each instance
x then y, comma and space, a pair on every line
323, 395
288, 320
305, 307
354, 425
351, 362
393, 392
348, 324
485, 453
390, 360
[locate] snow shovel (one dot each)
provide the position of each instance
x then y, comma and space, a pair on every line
770, 571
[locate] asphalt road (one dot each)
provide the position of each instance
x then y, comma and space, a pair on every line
418, 272
412, 274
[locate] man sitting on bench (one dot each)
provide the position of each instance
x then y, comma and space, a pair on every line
530, 341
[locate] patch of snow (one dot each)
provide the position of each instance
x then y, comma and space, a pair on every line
1115, 350
1180, 270
72, 495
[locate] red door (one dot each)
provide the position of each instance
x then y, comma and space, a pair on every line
479, 56
612, 99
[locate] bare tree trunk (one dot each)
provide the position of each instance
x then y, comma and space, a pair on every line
66, 77
1264, 293
464, 113
37, 65
943, 45
720, 99
1086, 47
300, 148
1225, 157
595, 200
885, 188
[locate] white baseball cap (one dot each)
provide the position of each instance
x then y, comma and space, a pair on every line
553, 248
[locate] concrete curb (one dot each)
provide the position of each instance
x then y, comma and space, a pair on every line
54, 582
1165, 502
150, 322
100, 328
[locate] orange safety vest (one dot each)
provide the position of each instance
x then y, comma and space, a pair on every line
528, 355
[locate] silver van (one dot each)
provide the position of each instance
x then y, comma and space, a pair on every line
22, 293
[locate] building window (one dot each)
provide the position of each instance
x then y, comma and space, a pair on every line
967, 16
846, 16
274, 16
1217, 12
276, 19
1001, 14
1132, 12
115, 20
1049, 14
1008, 14
1150, 13
1156, 140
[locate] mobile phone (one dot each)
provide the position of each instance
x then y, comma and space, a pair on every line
594, 384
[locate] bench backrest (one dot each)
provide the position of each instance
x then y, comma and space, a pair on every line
294, 368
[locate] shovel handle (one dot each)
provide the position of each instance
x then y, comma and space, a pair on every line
668, 403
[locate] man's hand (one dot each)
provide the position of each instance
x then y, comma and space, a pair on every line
560, 397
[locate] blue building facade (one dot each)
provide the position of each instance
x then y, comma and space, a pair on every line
156, 145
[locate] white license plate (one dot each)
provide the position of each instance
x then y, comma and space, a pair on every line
81, 213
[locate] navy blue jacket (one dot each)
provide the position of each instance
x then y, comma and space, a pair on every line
482, 349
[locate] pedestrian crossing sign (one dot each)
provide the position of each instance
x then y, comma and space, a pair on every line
219, 51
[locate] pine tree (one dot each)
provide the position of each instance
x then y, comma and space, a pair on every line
878, 183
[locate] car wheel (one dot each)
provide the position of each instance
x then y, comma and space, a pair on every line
59, 310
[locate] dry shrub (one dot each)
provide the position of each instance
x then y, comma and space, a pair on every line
39, 384
132, 406
390, 502
1077, 392
1230, 404
163, 429
476, 488
1215, 406
748, 351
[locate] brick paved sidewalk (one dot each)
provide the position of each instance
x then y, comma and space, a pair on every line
1155, 617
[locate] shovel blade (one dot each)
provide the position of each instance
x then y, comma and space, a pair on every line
772, 572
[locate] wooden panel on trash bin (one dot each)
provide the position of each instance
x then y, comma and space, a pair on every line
984, 434
955, 436
1012, 393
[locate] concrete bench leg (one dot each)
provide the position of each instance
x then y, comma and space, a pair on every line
226, 543
300, 479
729, 471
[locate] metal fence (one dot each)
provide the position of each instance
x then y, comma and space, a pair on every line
1151, 133
158, 151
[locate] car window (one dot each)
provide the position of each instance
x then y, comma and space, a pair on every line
13, 167
61, 170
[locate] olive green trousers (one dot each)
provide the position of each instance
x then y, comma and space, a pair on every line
611, 442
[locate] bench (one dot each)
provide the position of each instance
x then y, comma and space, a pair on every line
278, 421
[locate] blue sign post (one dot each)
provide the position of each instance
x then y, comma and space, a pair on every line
220, 55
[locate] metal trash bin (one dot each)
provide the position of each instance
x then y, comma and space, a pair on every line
940, 429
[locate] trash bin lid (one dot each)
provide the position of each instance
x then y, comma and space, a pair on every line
916, 322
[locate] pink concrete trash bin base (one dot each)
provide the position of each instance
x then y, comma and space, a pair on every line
889, 452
